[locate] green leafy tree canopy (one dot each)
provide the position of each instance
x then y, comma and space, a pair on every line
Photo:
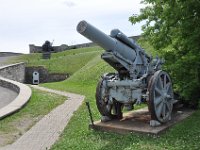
173, 28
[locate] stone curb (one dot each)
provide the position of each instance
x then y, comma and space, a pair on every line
24, 94
6, 66
48, 130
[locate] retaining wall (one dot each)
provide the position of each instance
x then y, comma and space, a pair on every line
63, 47
8, 74
9, 85
55, 49
44, 75
6, 54
14, 72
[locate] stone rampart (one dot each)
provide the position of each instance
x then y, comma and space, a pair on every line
44, 75
64, 47
10, 77
14, 72
6, 54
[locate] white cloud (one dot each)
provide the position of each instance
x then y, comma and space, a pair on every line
69, 3
33, 21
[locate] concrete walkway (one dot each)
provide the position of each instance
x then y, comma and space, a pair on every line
6, 96
45, 133
3, 60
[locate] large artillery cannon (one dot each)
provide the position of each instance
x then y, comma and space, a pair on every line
139, 78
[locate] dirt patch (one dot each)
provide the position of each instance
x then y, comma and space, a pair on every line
23, 124
20, 126
6, 139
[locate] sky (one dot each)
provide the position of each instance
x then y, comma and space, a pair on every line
24, 22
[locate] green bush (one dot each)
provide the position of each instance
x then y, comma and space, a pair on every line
172, 27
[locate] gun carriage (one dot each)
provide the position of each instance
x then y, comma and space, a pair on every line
139, 78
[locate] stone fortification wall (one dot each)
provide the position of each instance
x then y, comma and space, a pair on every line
44, 75
63, 47
38, 49
8, 74
35, 49
60, 48
24, 94
9, 85
6, 54
14, 72
20, 73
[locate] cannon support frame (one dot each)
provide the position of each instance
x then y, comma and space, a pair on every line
139, 78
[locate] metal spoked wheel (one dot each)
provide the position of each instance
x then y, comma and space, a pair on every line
160, 97
114, 110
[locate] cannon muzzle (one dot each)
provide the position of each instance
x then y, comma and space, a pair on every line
95, 35
106, 42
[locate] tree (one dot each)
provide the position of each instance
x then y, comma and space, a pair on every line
173, 28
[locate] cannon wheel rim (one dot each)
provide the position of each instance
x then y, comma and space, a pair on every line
113, 111
160, 97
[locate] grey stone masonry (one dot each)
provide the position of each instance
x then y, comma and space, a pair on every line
6, 96
13, 95
44, 75
64, 47
23, 96
14, 72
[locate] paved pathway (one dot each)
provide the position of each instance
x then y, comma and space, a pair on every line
6, 96
3, 60
44, 134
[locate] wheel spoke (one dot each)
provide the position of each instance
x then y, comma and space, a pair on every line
164, 81
157, 101
108, 107
169, 106
114, 109
158, 91
159, 109
160, 97
104, 105
160, 83
102, 91
167, 87
164, 110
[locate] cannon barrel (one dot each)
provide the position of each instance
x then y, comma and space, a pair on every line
116, 33
106, 42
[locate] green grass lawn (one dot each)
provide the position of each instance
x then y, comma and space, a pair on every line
77, 136
64, 62
40, 104
185, 135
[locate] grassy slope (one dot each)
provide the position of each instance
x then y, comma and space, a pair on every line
63, 62
83, 80
40, 104
185, 135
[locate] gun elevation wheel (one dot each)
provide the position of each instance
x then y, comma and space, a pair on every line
106, 108
160, 97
